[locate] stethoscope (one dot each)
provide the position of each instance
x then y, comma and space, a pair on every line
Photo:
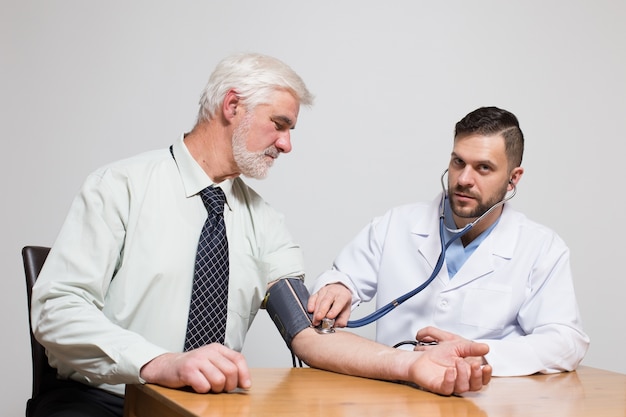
456, 234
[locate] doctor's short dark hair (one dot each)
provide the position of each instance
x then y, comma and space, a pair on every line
489, 121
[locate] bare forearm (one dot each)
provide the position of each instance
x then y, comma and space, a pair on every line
441, 369
350, 354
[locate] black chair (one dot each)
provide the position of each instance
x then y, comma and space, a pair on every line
34, 258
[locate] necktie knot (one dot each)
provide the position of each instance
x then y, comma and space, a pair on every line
213, 199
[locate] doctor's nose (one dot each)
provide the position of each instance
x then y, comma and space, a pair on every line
465, 178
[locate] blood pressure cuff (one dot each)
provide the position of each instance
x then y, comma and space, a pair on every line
286, 301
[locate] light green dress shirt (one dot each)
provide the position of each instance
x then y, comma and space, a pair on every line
114, 292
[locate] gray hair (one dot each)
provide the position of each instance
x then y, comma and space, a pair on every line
254, 77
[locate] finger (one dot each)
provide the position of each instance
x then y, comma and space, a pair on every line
242, 371
216, 378
430, 334
322, 309
342, 318
220, 370
310, 306
448, 383
215, 371
340, 307
486, 374
198, 381
473, 349
463, 373
476, 377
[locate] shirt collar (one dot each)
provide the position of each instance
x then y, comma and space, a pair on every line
193, 176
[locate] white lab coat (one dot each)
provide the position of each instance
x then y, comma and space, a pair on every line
515, 292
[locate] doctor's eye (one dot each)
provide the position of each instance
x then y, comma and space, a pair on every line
458, 162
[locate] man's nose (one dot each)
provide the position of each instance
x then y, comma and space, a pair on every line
466, 177
283, 143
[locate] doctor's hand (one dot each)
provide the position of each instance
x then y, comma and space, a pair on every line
432, 334
210, 368
333, 301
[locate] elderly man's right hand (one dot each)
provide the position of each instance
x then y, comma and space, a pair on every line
210, 368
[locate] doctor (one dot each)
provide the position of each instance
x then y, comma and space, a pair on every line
507, 282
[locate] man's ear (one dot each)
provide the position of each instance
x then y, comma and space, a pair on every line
230, 105
516, 175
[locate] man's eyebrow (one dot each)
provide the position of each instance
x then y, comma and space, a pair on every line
478, 162
285, 120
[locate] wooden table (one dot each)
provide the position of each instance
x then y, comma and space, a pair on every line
311, 392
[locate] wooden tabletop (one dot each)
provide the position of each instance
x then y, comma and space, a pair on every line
311, 392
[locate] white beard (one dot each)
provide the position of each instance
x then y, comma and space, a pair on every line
251, 164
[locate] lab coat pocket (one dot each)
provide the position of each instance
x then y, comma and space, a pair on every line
487, 307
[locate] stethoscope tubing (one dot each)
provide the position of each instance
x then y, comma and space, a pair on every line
456, 234
395, 303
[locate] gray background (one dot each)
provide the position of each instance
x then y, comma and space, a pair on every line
85, 83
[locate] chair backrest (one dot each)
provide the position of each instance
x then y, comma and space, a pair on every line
34, 258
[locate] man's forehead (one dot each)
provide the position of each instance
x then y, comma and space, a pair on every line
478, 141
479, 147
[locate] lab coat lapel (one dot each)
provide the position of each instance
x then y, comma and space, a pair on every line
499, 245
426, 235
